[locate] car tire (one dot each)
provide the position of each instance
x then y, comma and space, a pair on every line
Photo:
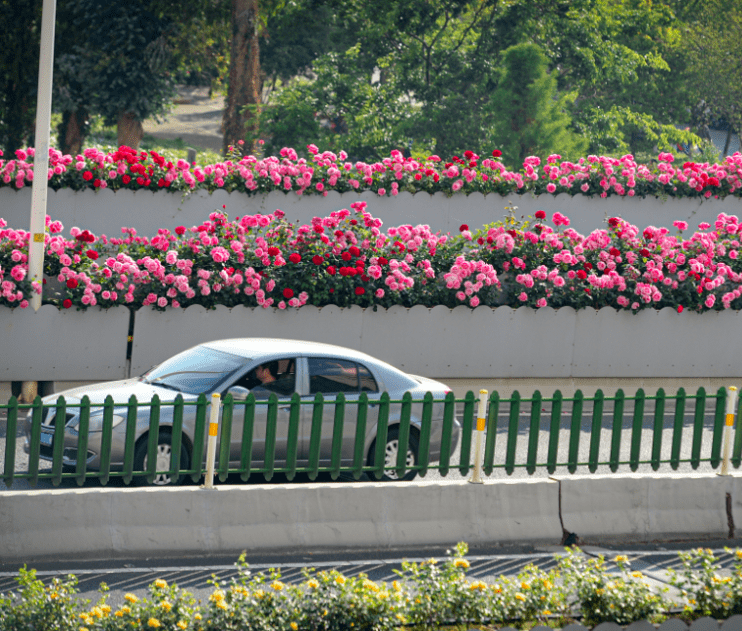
390, 460
164, 450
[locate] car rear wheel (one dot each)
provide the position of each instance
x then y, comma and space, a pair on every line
164, 452
390, 456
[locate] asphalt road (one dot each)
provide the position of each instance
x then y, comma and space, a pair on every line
521, 447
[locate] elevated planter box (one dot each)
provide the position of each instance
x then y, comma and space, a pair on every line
105, 211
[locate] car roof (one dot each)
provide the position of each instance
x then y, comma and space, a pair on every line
257, 347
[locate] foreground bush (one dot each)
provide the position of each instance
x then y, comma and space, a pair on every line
324, 171
428, 595
347, 259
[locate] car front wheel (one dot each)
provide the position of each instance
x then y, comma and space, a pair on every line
164, 452
390, 456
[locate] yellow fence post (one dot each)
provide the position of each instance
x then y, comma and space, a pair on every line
211, 446
731, 403
476, 476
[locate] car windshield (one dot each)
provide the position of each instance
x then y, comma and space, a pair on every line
195, 371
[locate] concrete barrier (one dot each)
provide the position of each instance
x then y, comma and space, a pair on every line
636, 507
120, 523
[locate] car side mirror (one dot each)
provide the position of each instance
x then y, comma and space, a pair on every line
239, 393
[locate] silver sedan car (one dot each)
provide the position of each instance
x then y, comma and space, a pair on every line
260, 367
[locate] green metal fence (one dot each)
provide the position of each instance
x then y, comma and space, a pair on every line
551, 434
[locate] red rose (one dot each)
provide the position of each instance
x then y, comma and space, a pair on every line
92, 254
141, 181
67, 303
318, 228
180, 230
87, 176
463, 227
317, 259
288, 293
588, 266
126, 179
614, 252
345, 256
294, 257
418, 177
581, 274
540, 214
680, 308
496, 153
354, 250
71, 283
331, 270
383, 261
360, 291
96, 182
273, 251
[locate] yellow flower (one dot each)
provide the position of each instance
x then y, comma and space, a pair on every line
131, 598
383, 595
621, 558
525, 585
294, 626
548, 585
197, 616
396, 586
519, 596
217, 596
370, 585
324, 612
154, 623
340, 580
497, 589
259, 594
277, 585
83, 629
119, 614
182, 625
600, 592
221, 605
739, 554
106, 609
126, 609
97, 612
461, 563
54, 595
547, 612
480, 585
313, 583
636, 574
166, 605
400, 617
160, 583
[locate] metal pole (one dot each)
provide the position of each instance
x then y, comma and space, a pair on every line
211, 446
476, 476
731, 402
41, 155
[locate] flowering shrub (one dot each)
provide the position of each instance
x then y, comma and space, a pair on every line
346, 259
429, 595
125, 168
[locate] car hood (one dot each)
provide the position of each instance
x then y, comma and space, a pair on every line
120, 391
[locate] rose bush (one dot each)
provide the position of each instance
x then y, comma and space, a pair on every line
347, 259
125, 168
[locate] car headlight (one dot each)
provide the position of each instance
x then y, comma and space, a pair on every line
95, 424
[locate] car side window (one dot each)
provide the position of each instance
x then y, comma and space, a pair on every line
277, 376
329, 375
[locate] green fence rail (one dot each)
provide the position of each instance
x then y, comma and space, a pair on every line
539, 433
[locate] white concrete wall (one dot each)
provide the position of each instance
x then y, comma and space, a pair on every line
460, 343
119, 523
105, 211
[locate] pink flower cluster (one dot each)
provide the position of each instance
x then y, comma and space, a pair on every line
324, 171
346, 258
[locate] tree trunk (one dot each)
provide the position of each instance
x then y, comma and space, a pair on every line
72, 132
725, 153
243, 94
130, 130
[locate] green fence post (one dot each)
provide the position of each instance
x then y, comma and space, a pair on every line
423, 451
533, 433
677, 430
105, 441
82, 441
719, 417
153, 437
618, 407
337, 436
382, 431
10, 438
132, 408
225, 437
404, 434
359, 455
512, 432
574, 431
315, 438
270, 436
554, 429
489, 445
659, 421
737, 449
292, 445
177, 437
596, 429
700, 412
35, 442
60, 416
449, 409
247, 435
636, 429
